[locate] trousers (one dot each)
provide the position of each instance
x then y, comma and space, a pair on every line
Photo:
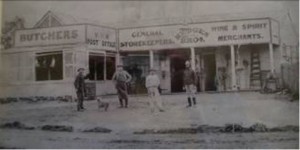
154, 99
190, 90
122, 92
80, 97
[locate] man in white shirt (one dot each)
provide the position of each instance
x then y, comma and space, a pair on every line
152, 84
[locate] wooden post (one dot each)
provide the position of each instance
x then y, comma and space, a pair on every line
233, 73
193, 64
151, 58
272, 68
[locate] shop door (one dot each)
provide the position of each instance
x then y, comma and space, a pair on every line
138, 68
177, 69
210, 70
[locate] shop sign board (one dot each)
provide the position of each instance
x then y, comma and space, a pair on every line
275, 32
50, 36
196, 35
101, 38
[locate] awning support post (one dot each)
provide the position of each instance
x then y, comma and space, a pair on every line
272, 68
151, 58
233, 72
193, 64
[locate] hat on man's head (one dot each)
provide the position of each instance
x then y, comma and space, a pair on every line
187, 62
80, 69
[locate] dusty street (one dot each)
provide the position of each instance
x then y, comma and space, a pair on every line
245, 108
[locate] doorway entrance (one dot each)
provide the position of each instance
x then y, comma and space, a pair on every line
177, 66
138, 67
209, 62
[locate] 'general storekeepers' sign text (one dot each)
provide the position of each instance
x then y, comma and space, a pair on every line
196, 35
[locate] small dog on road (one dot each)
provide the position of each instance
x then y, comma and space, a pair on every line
101, 104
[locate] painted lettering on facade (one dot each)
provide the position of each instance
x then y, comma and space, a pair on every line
240, 37
191, 35
196, 35
50, 36
101, 38
146, 34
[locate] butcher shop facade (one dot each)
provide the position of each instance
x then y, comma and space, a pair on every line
44, 60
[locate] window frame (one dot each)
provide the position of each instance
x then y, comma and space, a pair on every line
105, 55
104, 65
110, 55
44, 53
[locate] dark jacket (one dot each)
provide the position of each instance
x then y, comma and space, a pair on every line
189, 77
79, 83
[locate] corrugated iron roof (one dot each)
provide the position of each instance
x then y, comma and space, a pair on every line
277, 15
68, 19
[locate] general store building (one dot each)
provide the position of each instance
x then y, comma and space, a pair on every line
242, 49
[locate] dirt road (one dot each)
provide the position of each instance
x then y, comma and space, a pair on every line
213, 109
46, 139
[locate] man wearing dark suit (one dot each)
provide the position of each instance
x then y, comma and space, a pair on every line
80, 88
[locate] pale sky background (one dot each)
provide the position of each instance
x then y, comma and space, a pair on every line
118, 11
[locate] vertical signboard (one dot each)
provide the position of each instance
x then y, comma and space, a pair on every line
101, 38
275, 32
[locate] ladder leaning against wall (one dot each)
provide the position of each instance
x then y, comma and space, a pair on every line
255, 74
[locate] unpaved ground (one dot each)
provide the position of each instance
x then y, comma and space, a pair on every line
245, 108
44, 139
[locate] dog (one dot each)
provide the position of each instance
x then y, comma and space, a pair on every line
101, 104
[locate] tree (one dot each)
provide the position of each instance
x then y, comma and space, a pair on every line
9, 29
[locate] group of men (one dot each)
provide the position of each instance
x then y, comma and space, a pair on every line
121, 79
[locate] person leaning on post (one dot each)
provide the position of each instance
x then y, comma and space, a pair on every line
121, 78
79, 84
190, 80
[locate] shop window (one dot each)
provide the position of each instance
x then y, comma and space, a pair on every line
110, 67
96, 67
49, 66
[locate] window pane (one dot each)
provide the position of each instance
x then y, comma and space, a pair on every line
49, 66
92, 68
100, 68
96, 66
110, 67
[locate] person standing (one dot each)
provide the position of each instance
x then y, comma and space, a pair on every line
189, 79
152, 84
121, 78
80, 88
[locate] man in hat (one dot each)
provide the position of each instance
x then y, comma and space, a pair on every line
80, 88
152, 84
121, 78
189, 79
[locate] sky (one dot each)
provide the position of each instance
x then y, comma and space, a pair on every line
118, 11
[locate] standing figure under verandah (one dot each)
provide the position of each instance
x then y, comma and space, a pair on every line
121, 79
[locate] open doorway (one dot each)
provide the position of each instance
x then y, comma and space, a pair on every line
138, 67
209, 62
177, 66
